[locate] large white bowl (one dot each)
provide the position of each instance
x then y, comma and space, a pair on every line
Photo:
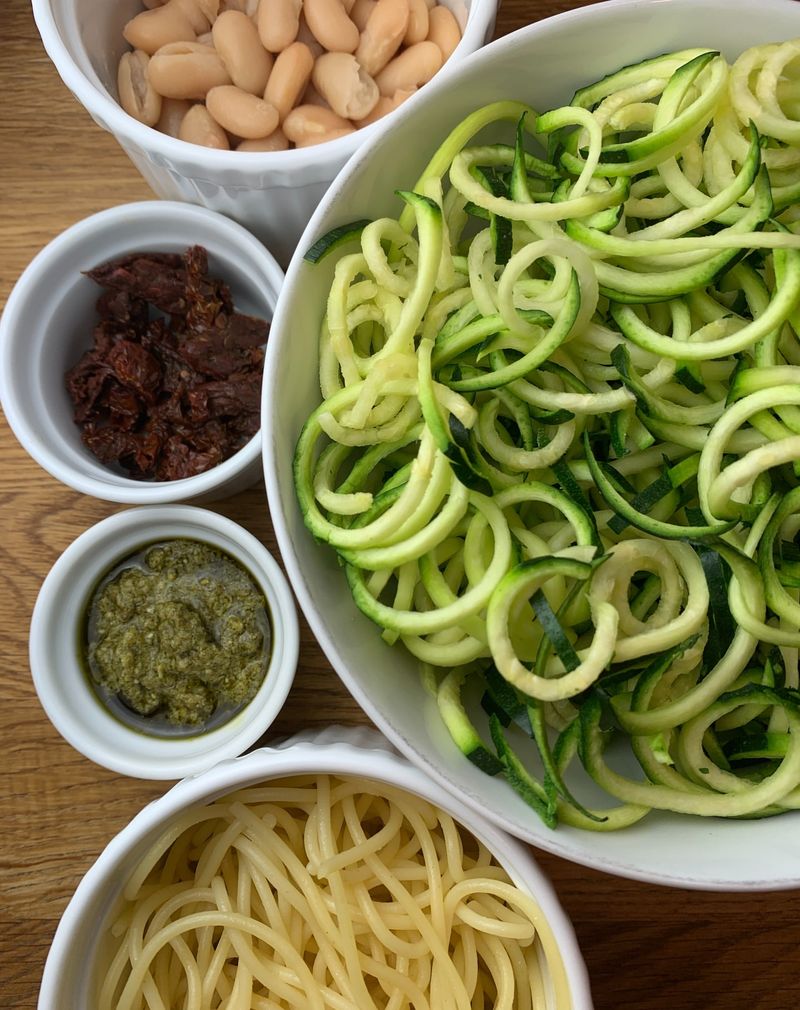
68, 973
541, 64
273, 193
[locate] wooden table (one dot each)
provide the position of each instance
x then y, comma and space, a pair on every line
646, 947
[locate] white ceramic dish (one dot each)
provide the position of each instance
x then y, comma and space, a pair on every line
63, 687
273, 194
48, 322
66, 981
542, 64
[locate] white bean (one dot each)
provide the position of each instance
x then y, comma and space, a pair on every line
241, 113
413, 67
186, 70
198, 127
289, 78
240, 49
152, 29
136, 95
346, 86
383, 35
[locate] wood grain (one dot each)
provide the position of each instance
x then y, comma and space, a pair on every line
647, 948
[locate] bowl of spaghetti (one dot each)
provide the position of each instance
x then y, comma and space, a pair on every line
323, 872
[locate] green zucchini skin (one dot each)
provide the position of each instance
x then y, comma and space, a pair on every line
460, 727
334, 239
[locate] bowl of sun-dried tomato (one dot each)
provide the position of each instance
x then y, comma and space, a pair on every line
131, 354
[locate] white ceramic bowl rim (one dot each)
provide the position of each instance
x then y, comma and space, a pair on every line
479, 16
89, 727
759, 876
31, 285
336, 751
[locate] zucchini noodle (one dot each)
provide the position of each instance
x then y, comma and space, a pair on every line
327, 894
558, 451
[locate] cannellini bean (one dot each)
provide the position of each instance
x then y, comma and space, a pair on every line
347, 63
186, 70
323, 138
346, 86
380, 40
241, 113
155, 28
305, 35
384, 106
278, 21
208, 8
239, 46
172, 112
417, 30
276, 141
360, 13
412, 68
136, 95
289, 78
195, 14
198, 127
306, 122
331, 26
443, 30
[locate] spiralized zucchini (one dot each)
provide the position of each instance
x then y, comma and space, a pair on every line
558, 450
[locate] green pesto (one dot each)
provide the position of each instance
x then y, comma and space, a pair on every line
178, 632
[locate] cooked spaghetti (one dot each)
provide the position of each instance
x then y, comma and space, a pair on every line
326, 893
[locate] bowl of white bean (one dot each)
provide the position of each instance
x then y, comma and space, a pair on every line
251, 107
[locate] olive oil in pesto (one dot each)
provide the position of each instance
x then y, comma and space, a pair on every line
177, 638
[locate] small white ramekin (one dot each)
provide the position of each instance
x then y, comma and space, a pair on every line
48, 322
56, 626
70, 971
273, 193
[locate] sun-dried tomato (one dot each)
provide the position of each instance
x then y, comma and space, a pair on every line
125, 408
157, 278
207, 299
85, 384
136, 369
171, 386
